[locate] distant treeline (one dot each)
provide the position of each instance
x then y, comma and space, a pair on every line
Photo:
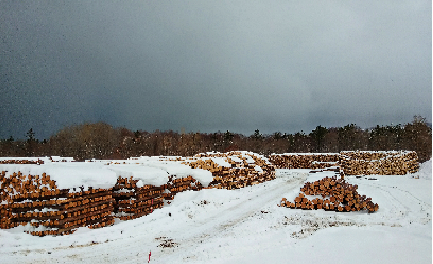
102, 141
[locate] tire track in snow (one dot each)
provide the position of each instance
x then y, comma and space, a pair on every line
248, 208
407, 193
231, 216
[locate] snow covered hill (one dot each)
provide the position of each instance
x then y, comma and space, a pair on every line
246, 226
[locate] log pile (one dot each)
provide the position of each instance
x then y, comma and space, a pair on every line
382, 163
38, 162
36, 201
239, 174
308, 161
133, 201
176, 185
208, 165
334, 195
352, 163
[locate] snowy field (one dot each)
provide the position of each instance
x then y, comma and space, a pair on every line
246, 226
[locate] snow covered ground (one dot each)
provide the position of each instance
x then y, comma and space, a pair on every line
246, 226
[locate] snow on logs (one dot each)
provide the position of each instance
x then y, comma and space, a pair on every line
134, 200
334, 195
36, 202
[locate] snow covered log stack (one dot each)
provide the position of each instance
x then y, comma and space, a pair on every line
135, 200
382, 163
334, 195
238, 169
36, 201
175, 185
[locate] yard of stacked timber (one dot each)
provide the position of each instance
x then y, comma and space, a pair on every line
237, 207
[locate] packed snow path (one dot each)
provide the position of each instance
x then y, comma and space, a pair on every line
246, 226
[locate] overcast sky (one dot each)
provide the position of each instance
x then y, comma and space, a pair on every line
275, 66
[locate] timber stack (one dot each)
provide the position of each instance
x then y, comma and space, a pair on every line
176, 185
352, 162
36, 202
381, 163
133, 200
304, 161
245, 169
38, 162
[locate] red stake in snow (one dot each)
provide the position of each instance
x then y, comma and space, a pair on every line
150, 253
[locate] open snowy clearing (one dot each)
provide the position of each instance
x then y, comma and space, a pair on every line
246, 226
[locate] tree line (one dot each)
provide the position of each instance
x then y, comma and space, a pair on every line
103, 141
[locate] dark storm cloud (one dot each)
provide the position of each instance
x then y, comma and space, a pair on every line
209, 65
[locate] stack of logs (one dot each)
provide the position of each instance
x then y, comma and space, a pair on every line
34, 200
336, 195
176, 185
382, 163
239, 174
352, 163
22, 162
310, 161
132, 201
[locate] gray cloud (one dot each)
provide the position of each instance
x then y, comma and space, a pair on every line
209, 65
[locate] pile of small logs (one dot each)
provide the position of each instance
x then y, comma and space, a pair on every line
307, 161
382, 163
132, 201
35, 200
240, 173
336, 195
